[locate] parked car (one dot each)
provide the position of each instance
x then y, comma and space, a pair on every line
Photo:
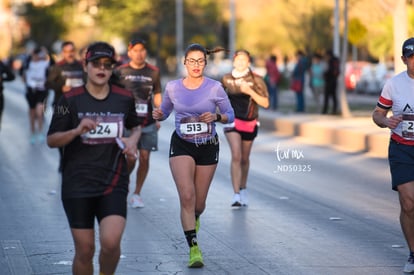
373, 78
353, 71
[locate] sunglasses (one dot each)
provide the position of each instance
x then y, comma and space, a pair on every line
106, 65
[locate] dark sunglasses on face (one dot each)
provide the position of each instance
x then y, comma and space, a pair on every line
106, 65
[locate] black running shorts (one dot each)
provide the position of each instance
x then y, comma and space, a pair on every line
401, 159
203, 154
81, 212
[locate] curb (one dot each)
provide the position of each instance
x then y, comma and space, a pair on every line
354, 135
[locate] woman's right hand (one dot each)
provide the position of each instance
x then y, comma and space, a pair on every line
86, 125
157, 114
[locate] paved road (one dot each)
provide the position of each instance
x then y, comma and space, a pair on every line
313, 210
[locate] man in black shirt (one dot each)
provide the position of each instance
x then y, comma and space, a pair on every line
331, 77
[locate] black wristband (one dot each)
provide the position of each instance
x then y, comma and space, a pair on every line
218, 119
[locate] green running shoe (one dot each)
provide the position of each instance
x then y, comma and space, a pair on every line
196, 259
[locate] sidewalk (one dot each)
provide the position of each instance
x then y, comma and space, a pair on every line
357, 134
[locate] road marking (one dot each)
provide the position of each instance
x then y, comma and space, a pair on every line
16, 257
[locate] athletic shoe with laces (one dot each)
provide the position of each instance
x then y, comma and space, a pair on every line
196, 258
136, 201
243, 197
409, 266
236, 200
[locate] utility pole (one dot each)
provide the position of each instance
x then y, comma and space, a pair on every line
345, 111
179, 37
400, 33
232, 28
336, 35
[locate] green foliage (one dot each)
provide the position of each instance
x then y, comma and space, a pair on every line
356, 31
380, 40
124, 18
46, 23
155, 21
202, 23
311, 28
266, 26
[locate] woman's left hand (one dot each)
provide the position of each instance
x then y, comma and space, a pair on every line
245, 88
130, 147
208, 117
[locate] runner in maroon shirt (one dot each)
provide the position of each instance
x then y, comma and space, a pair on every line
143, 80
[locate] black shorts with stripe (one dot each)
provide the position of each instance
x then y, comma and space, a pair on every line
203, 153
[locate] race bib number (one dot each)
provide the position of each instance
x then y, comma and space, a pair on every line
103, 130
74, 82
106, 131
141, 109
408, 126
36, 83
192, 127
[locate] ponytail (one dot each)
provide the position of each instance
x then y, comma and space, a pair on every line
198, 47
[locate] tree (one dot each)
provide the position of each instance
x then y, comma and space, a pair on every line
155, 21
46, 24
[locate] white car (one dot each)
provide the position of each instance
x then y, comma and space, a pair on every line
373, 78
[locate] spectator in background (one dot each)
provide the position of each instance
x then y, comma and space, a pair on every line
317, 81
6, 74
331, 79
298, 80
272, 79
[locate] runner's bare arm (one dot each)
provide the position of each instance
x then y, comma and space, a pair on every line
379, 116
60, 139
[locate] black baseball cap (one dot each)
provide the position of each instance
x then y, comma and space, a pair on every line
99, 50
408, 47
136, 41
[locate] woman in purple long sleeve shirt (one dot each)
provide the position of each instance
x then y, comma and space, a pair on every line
199, 102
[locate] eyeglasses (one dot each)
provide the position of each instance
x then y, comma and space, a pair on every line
193, 62
106, 65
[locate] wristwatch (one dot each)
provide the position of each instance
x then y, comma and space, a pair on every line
218, 119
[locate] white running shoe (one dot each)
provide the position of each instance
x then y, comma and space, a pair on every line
236, 200
243, 197
409, 266
136, 201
